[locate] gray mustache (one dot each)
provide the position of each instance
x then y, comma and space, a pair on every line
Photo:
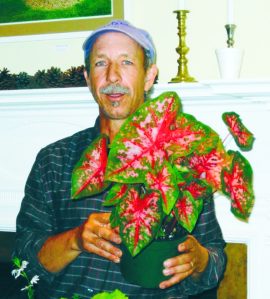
114, 89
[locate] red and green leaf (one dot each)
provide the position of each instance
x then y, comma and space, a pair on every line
163, 179
242, 136
209, 166
199, 189
237, 185
187, 210
188, 136
141, 217
115, 220
115, 194
139, 144
88, 174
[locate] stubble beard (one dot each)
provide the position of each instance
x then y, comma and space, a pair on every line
115, 104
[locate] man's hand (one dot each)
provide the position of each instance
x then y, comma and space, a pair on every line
96, 236
192, 261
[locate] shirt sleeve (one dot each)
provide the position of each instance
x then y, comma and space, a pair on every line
208, 233
34, 223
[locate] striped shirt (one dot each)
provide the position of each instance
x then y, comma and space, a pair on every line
47, 209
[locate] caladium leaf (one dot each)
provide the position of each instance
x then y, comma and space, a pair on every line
139, 144
115, 194
163, 179
187, 210
237, 184
209, 166
199, 189
141, 217
114, 218
88, 174
188, 136
242, 136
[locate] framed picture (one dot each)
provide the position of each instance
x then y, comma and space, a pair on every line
29, 17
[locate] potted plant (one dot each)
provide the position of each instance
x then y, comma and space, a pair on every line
161, 166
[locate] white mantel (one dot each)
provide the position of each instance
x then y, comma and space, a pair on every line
30, 119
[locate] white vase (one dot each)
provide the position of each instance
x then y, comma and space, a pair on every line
229, 62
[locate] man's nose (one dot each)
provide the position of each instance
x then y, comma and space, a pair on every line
113, 73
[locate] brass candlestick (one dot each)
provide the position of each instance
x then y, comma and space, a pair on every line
182, 49
230, 28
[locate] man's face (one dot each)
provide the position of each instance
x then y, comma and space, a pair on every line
117, 76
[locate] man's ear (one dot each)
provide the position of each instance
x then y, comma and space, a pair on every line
86, 77
150, 77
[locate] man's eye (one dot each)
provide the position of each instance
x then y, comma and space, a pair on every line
127, 62
100, 63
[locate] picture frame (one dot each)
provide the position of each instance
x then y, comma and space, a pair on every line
62, 25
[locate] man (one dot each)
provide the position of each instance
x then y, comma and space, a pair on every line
71, 245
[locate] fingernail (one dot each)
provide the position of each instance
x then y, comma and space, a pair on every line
117, 260
166, 264
181, 247
119, 253
166, 272
162, 286
117, 240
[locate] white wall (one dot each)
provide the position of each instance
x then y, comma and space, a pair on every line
205, 33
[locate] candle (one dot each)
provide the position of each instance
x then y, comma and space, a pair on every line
230, 12
181, 5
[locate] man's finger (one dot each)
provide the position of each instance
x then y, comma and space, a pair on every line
103, 218
178, 260
174, 279
108, 234
179, 268
104, 253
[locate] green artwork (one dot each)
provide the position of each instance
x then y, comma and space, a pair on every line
13, 11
